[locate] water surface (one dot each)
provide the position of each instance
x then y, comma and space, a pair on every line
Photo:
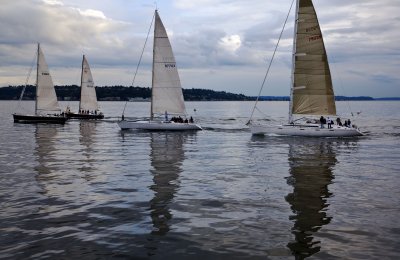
88, 190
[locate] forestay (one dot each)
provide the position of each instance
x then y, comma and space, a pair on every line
312, 91
166, 86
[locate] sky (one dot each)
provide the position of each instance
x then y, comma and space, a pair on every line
223, 45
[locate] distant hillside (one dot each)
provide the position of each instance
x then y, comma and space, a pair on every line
388, 99
287, 98
122, 93
119, 93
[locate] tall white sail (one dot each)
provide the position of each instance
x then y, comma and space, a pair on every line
46, 99
312, 92
88, 99
166, 86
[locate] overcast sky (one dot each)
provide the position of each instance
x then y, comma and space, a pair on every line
218, 44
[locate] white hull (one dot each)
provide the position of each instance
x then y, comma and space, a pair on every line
158, 126
304, 130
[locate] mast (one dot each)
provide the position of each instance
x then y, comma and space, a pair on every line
80, 99
293, 62
37, 79
152, 69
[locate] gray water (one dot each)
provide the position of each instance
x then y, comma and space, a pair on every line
88, 190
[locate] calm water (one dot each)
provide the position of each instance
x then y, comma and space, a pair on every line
87, 190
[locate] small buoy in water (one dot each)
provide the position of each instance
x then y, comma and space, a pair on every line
194, 110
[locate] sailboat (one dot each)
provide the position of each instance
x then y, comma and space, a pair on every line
47, 109
311, 88
88, 106
166, 94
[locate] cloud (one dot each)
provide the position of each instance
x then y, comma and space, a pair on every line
66, 28
92, 13
384, 78
52, 2
230, 43
221, 40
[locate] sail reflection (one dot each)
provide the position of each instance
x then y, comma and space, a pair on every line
87, 130
45, 136
311, 164
167, 156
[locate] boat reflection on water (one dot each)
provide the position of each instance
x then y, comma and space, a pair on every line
166, 157
45, 136
311, 163
87, 130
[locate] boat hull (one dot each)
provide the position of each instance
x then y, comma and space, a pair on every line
39, 119
84, 116
158, 126
303, 130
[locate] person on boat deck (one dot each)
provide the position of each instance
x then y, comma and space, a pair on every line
191, 120
322, 121
166, 115
329, 123
338, 122
348, 123
186, 121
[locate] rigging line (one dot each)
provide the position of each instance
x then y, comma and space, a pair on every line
27, 79
270, 63
261, 112
342, 88
140, 59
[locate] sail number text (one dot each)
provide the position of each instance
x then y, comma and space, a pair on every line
311, 29
169, 65
314, 38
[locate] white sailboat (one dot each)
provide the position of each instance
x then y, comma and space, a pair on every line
166, 95
88, 105
311, 93
47, 109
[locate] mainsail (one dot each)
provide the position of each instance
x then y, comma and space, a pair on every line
312, 92
88, 99
166, 86
46, 99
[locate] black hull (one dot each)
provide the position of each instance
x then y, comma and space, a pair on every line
84, 116
33, 119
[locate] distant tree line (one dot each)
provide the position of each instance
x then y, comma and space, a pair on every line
119, 93
287, 98
122, 93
